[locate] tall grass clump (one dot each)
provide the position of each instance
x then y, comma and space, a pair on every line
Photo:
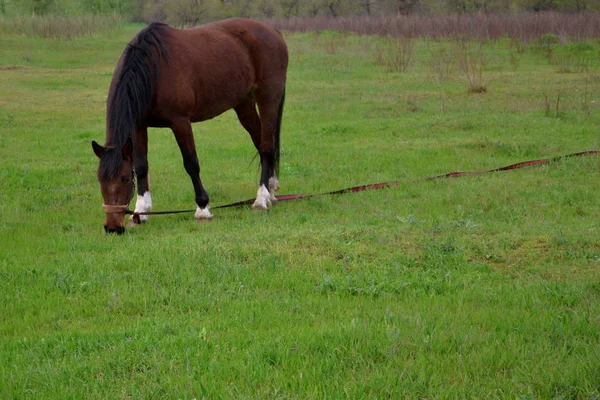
61, 27
574, 57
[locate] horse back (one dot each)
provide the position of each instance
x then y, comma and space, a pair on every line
213, 68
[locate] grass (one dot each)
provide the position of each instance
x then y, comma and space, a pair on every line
478, 287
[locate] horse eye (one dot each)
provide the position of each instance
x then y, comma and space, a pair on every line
125, 179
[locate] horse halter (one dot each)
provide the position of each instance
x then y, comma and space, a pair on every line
109, 208
120, 208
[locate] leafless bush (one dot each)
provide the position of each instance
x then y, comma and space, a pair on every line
471, 62
442, 63
552, 109
329, 40
395, 53
411, 103
516, 48
517, 45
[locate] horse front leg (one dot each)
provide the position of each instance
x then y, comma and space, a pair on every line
185, 139
140, 162
250, 120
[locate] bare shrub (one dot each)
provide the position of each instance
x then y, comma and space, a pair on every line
329, 40
411, 103
547, 105
517, 45
514, 60
516, 48
395, 53
379, 54
471, 62
441, 63
401, 56
331, 46
547, 43
551, 108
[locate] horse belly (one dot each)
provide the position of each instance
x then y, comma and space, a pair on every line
220, 95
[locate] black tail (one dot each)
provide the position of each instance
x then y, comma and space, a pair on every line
277, 153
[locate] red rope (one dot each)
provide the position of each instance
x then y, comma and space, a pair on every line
382, 185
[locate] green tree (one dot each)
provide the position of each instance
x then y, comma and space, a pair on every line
368, 6
187, 13
266, 8
290, 8
312, 8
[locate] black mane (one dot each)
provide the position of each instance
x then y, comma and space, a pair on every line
129, 101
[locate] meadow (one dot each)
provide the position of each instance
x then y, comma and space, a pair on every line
476, 287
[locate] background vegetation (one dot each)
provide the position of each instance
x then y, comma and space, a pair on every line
479, 287
192, 12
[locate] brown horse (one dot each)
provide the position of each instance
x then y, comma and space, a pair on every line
168, 77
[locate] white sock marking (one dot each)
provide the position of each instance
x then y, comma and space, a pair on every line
143, 204
273, 188
263, 199
203, 213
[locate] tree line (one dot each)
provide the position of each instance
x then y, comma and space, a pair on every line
185, 13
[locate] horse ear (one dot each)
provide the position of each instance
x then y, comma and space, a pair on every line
98, 150
128, 149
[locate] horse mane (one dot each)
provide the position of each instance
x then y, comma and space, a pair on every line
130, 99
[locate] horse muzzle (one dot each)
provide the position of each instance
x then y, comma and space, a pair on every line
119, 230
115, 218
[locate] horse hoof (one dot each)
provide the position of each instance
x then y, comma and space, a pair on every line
260, 207
263, 199
203, 214
136, 220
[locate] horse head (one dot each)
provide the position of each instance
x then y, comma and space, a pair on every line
115, 175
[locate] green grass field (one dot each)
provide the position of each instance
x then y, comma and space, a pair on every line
477, 287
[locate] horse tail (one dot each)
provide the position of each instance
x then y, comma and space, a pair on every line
277, 153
